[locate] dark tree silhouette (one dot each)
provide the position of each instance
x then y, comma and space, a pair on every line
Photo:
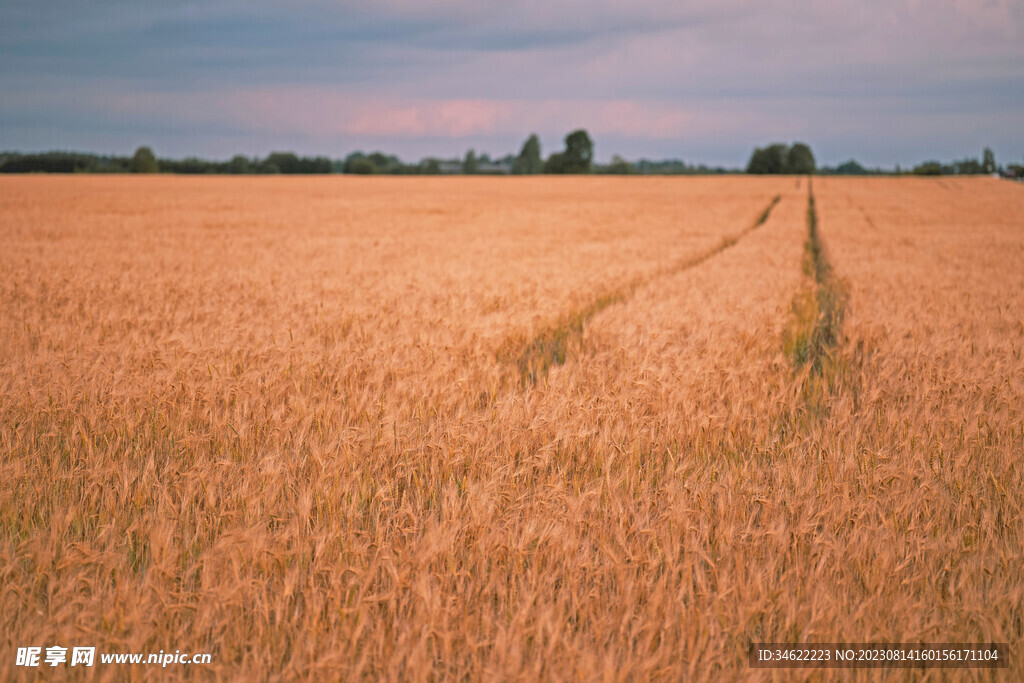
800, 159
144, 161
529, 160
577, 157
469, 163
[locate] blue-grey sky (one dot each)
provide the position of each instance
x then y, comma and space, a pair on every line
883, 81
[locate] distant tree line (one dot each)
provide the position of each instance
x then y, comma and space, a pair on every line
677, 167
144, 161
985, 166
798, 159
380, 163
576, 158
62, 162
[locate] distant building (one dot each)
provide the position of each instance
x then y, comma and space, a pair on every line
454, 166
449, 166
500, 167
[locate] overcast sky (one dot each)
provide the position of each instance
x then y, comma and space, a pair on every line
883, 81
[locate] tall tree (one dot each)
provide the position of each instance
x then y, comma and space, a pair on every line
800, 159
144, 161
469, 164
988, 161
577, 157
770, 159
529, 161
579, 152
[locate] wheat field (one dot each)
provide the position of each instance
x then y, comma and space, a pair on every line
513, 429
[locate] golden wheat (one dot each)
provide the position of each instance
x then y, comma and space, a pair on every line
276, 419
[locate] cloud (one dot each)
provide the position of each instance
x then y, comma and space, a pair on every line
414, 75
464, 118
446, 118
323, 112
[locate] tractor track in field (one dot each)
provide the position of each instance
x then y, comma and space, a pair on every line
813, 333
536, 356
867, 218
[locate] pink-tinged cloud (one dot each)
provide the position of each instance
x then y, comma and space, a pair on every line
317, 112
445, 118
327, 113
462, 118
